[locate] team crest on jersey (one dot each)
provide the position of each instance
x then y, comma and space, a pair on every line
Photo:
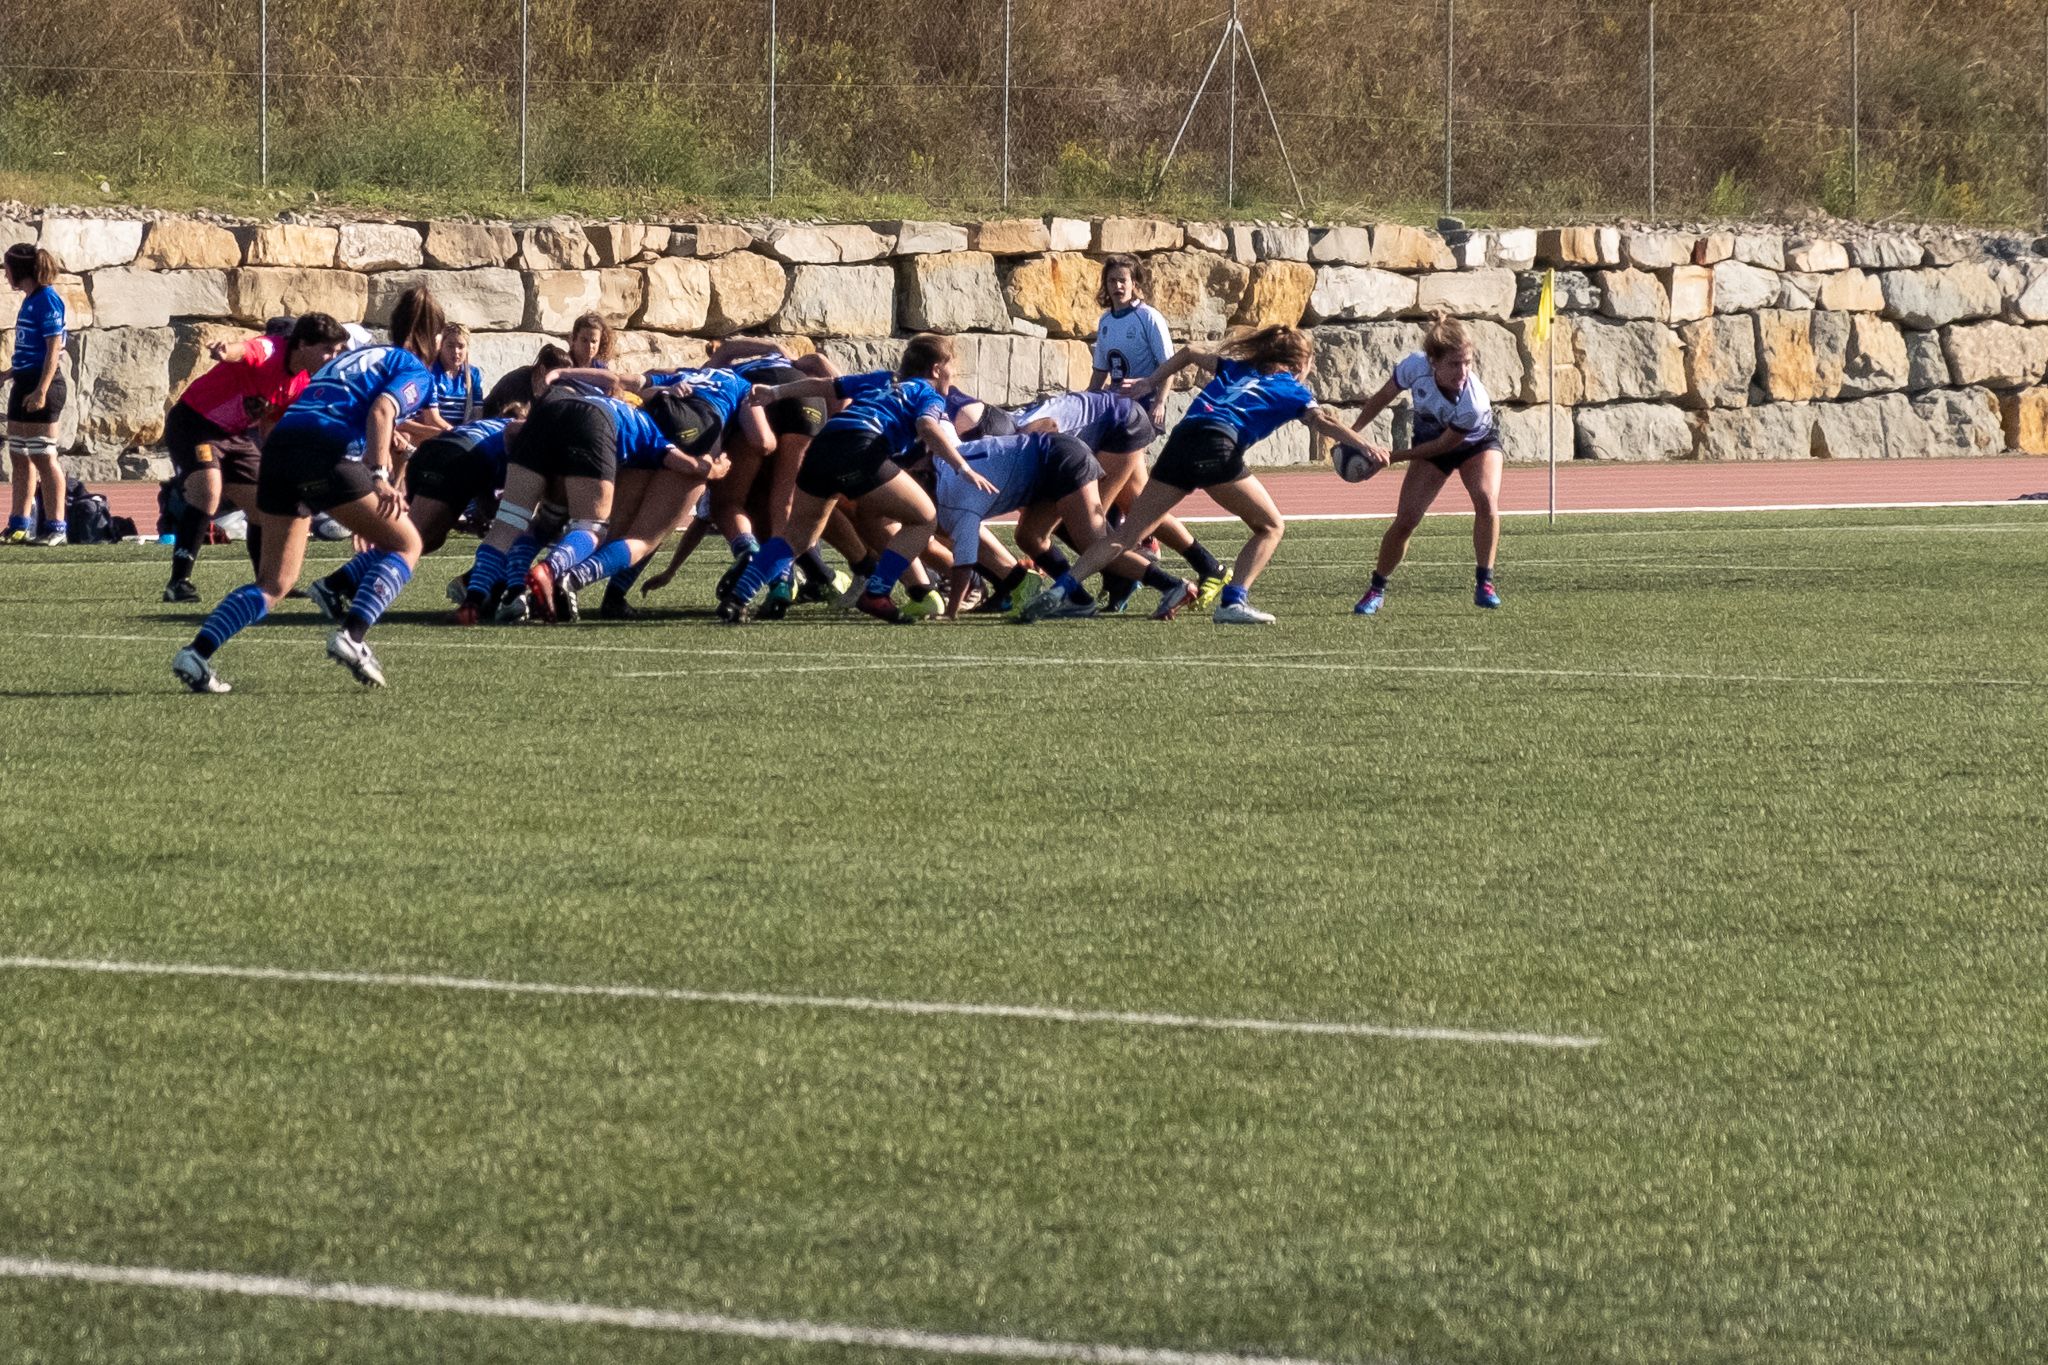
409, 396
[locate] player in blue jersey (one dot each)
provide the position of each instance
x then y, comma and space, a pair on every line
444, 476
332, 452
1119, 429
579, 440
699, 410
458, 385
855, 456
1258, 386
1454, 434
1049, 478
35, 399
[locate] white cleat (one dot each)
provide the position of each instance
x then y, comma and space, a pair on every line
1241, 614
197, 673
355, 656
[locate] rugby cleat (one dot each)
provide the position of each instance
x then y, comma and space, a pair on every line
879, 605
1370, 604
467, 614
850, 595
567, 609
1056, 606
616, 606
1485, 596
197, 673
513, 610
1241, 614
922, 608
51, 540
780, 594
1173, 599
824, 592
180, 590
540, 590
15, 537
333, 605
458, 587
1211, 588
732, 574
732, 611
355, 656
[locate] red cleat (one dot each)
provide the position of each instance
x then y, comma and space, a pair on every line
540, 590
464, 615
879, 605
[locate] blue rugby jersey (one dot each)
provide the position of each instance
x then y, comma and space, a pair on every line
886, 406
337, 403
1011, 463
1252, 404
455, 393
1089, 416
486, 436
724, 390
40, 321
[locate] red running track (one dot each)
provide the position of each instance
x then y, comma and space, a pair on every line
1589, 486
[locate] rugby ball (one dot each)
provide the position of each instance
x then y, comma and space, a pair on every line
1353, 466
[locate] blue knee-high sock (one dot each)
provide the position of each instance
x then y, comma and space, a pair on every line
623, 580
486, 573
883, 580
767, 566
616, 557
519, 559
575, 546
382, 582
349, 576
240, 609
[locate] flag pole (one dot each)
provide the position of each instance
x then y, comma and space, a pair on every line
1550, 422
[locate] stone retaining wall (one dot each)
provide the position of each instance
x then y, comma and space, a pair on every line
1673, 345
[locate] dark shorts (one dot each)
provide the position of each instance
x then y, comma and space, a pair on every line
307, 471
197, 443
24, 387
1448, 462
790, 416
994, 421
1072, 467
568, 439
451, 472
701, 433
846, 463
1200, 455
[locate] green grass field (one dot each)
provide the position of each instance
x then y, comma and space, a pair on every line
1757, 802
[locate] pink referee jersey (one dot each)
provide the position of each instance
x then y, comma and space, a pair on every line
233, 396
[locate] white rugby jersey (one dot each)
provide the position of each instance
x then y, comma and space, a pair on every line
1133, 343
1470, 412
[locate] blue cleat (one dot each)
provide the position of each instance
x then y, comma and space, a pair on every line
1485, 596
1370, 604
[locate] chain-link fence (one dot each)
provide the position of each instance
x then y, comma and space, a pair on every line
1656, 108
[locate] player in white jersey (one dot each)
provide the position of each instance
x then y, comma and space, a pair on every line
1454, 433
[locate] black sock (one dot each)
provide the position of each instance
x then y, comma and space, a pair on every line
864, 567
1202, 562
1484, 573
917, 592
1116, 587
1379, 581
203, 647
339, 581
191, 534
1012, 580
813, 567
254, 544
1053, 560
1159, 580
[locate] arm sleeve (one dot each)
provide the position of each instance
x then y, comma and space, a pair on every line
1411, 369
1101, 349
854, 385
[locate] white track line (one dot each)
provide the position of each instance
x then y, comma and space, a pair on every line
603, 1315
1655, 511
1048, 1014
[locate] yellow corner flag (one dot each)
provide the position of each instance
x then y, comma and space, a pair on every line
1546, 309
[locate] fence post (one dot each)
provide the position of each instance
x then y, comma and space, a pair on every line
1855, 111
525, 66
1450, 59
1006, 102
1230, 156
1653, 108
263, 91
772, 59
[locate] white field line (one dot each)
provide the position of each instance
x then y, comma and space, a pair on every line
568, 1313
1047, 1014
821, 660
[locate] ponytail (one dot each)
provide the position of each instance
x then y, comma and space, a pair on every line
1446, 337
